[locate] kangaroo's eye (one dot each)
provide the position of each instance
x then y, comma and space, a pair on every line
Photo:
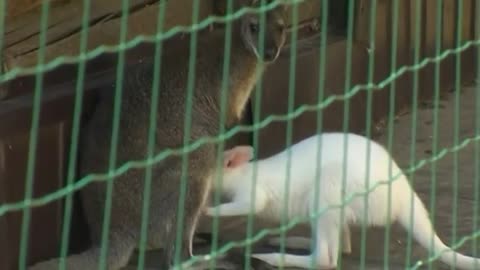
254, 27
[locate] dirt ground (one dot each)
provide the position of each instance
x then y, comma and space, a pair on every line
458, 165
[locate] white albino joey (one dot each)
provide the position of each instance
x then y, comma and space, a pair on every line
319, 161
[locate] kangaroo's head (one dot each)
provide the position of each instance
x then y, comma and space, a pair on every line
267, 44
273, 35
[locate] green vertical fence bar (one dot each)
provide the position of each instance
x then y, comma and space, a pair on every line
436, 100
257, 102
33, 138
157, 73
476, 186
413, 131
320, 94
456, 121
391, 122
187, 130
223, 104
115, 130
368, 120
346, 106
3, 7
291, 104
72, 160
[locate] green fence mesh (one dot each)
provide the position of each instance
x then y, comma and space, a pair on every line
324, 100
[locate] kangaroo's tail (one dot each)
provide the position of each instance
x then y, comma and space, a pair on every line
118, 256
423, 232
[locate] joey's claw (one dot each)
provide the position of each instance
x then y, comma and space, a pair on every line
210, 211
347, 249
267, 258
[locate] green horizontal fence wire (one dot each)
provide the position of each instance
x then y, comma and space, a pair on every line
292, 114
239, 128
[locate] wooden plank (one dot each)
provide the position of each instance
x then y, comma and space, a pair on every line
476, 21
363, 15
45, 224
64, 31
19, 7
449, 17
466, 20
63, 18
361, 21
382, 32
63, 37
306, 11
430, 34
413, 24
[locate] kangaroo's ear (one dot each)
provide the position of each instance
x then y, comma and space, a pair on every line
219, 7
237, 155
283, 6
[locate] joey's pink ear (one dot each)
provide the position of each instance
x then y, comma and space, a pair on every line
238, 155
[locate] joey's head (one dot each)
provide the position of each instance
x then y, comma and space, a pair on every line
237, 156
234, 161
272, 35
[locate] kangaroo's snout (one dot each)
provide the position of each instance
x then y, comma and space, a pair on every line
271, 54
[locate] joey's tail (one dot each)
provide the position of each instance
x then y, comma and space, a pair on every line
423, 231
88, 259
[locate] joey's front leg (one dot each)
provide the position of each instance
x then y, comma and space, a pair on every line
235, 208
240, 206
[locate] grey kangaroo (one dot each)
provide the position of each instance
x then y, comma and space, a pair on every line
128, 188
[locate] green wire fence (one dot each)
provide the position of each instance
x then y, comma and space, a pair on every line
323, 101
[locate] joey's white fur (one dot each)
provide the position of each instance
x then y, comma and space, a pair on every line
270, 191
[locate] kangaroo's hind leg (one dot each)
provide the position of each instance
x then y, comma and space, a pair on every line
120, 249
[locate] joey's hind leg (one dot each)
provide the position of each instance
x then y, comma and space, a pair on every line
319, 260
346, 240
205, 263
297, 242
323, 256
